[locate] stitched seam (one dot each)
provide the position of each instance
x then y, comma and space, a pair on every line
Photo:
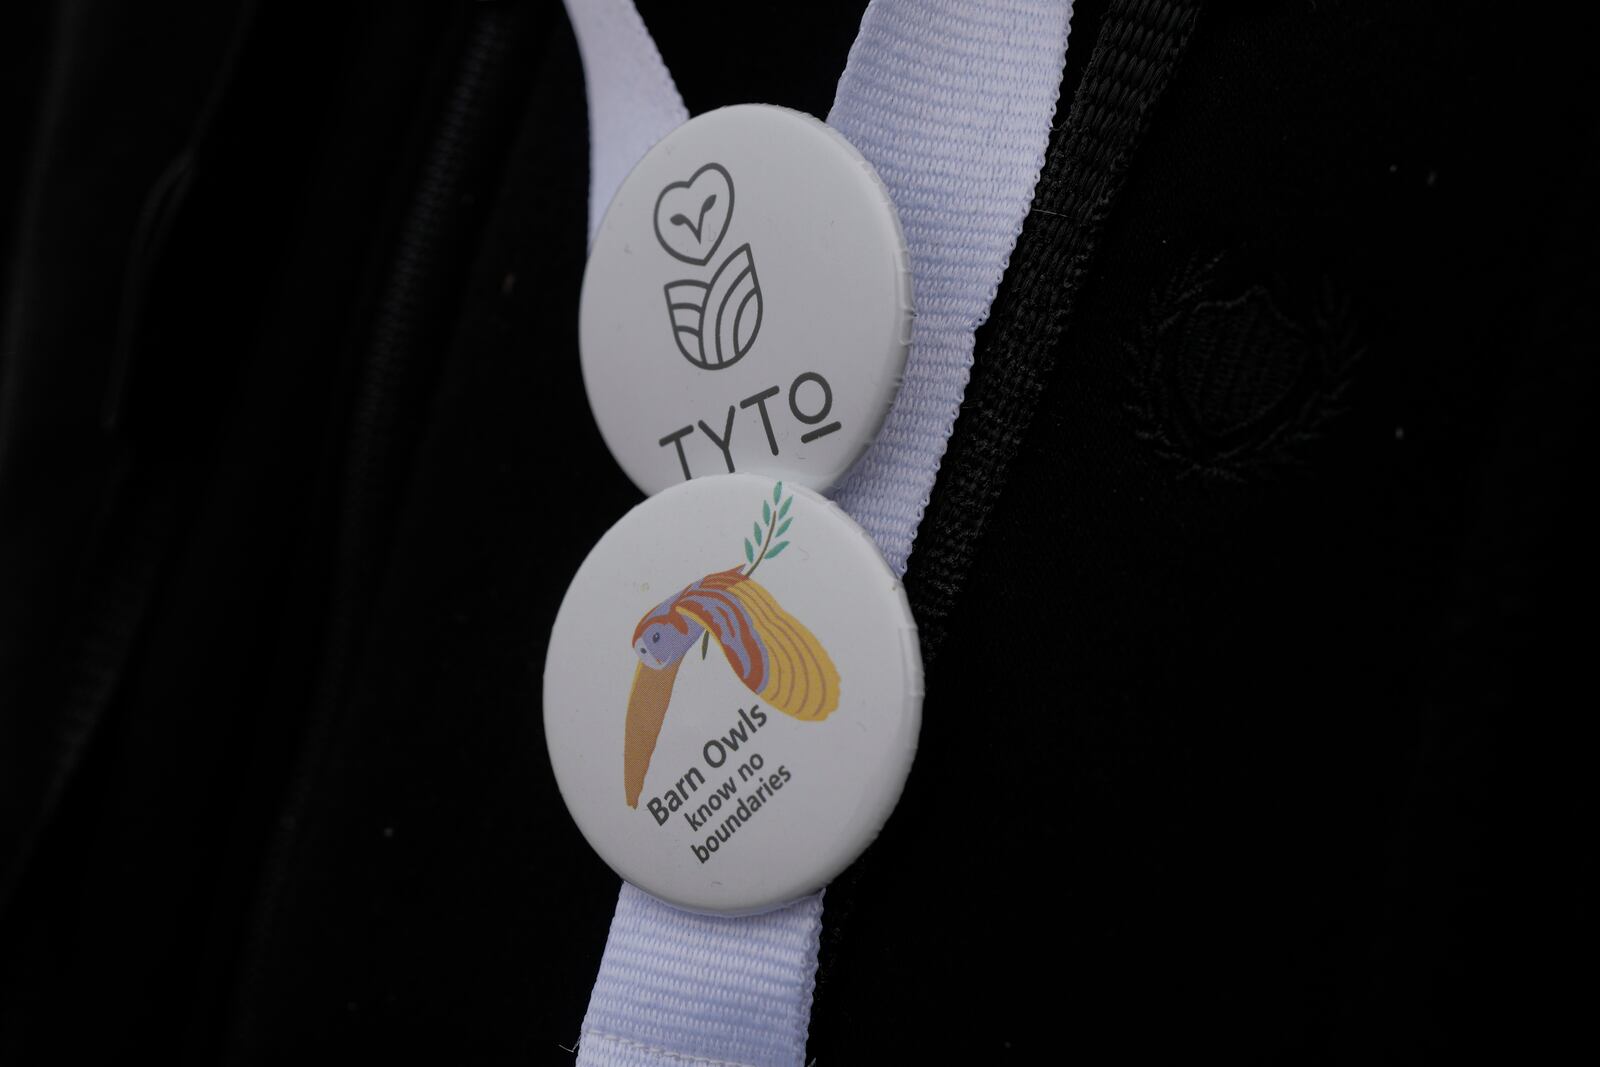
660, 1051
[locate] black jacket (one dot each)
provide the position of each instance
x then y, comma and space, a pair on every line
1266, 492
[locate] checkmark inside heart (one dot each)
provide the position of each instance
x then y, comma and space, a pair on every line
692, 216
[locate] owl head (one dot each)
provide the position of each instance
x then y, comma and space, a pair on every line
663, 636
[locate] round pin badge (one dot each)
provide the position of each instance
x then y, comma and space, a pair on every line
732, 694
747, 303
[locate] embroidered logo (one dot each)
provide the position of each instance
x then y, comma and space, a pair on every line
772, 653
715, 321
1228, 384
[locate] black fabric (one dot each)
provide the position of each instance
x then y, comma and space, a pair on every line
1257, 570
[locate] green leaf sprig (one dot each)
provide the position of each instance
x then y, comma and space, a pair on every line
775, 520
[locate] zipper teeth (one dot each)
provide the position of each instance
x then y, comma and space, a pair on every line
406, 326
430, 218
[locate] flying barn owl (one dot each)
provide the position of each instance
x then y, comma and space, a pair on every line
773, 654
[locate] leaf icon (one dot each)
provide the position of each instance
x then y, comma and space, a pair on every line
772, 552
766, 512
777, 491
749, 552
784, 526
681, 219
785, 509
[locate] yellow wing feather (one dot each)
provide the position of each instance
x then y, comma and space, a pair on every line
801, 678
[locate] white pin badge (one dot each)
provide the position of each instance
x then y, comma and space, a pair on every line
732, 694
747, 303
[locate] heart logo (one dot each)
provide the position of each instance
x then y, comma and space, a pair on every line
692, 217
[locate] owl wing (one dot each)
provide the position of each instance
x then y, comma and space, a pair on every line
647, 707
686, 305
773, 654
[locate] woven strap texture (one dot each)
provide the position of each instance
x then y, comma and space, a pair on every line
1137, 50
951, 101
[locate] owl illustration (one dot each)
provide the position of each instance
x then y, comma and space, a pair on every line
773, 654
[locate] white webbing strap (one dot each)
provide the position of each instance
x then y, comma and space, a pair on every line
951, 101
680, 988
633, 101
